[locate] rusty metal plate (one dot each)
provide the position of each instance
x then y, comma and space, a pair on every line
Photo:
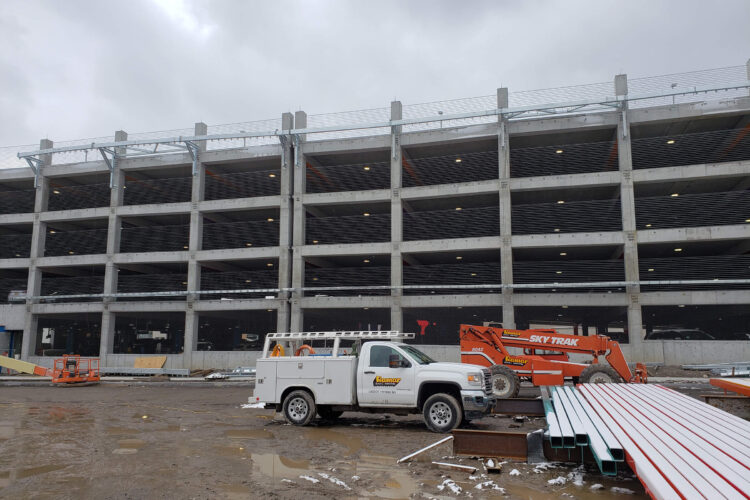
520, 406
489, 444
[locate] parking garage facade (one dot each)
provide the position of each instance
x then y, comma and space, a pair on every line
631, 221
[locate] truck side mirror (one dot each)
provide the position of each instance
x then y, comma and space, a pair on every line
395, 361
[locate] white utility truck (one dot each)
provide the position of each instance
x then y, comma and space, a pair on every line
373, 374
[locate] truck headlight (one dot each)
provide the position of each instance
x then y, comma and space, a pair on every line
474, 378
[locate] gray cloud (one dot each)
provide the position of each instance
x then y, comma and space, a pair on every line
78, 68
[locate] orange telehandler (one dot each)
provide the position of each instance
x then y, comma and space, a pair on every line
545, 359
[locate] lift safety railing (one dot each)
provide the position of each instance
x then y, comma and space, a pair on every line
113, 151
483, 288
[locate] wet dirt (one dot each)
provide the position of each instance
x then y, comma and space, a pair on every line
197, 442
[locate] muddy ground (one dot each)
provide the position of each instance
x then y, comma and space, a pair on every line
196, 441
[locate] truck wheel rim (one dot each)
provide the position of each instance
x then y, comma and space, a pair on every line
500, 386
440, 414
298, 408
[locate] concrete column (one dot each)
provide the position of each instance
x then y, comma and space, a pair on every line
506, 249
117, 193
298, 224
38, 237
627, 199
286, 214
397, 233
195, 242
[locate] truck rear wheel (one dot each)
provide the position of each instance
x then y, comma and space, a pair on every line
505, 382
299, 408
599, 374
442, 413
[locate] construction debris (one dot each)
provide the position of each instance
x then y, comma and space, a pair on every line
150, 362
493, 465
458, 467
737, 369
419, 452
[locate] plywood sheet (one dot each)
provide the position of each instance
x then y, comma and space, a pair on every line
150, 362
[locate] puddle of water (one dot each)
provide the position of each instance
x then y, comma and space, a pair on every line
397, 483
230, 451
236, 491
35, 471
115, 431
279, 467
135, 444
322, 434
249, 433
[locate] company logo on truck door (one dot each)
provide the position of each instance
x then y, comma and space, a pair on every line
515, 361
385, 381
542, 339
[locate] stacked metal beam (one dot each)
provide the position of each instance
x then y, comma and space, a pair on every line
572, 423
678, 446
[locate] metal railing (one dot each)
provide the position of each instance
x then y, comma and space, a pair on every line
696, 86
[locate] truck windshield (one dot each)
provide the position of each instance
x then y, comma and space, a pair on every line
417, 355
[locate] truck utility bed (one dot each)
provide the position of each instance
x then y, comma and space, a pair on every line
333, 378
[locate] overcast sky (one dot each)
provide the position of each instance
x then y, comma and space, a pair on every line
76, 69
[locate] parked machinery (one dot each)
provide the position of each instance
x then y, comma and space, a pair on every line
544, 359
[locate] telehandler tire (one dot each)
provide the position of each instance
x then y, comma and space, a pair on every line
442, 413
299, 407
599, 374
505, 382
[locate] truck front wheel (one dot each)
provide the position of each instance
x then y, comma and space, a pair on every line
442, 413
299, 408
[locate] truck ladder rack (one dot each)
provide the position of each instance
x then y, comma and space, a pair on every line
335, 336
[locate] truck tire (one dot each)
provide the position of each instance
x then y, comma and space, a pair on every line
505, 382
299, 408
326, 413
442, 413
599, 374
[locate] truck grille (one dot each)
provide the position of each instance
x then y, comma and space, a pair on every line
487, 381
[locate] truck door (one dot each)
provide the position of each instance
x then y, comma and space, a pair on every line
383, 382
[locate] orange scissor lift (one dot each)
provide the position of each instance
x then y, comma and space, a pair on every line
545, 357
70, 369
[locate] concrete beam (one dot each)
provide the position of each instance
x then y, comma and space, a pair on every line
236, 204
345, 302
72, 260
371, 143
570, 299
67, 308
700, 297
536, 126
552, 182
345, 249
687, 234
27, 218
150, 257
154, 209
230, 254
692, 172
447, 135
20, 263
149, 306
568, 239
468, 300
75, 215
346, 197
448, 190
456, 244
234, 155
672, 112
238, 305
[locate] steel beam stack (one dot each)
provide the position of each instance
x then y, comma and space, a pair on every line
678, 446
